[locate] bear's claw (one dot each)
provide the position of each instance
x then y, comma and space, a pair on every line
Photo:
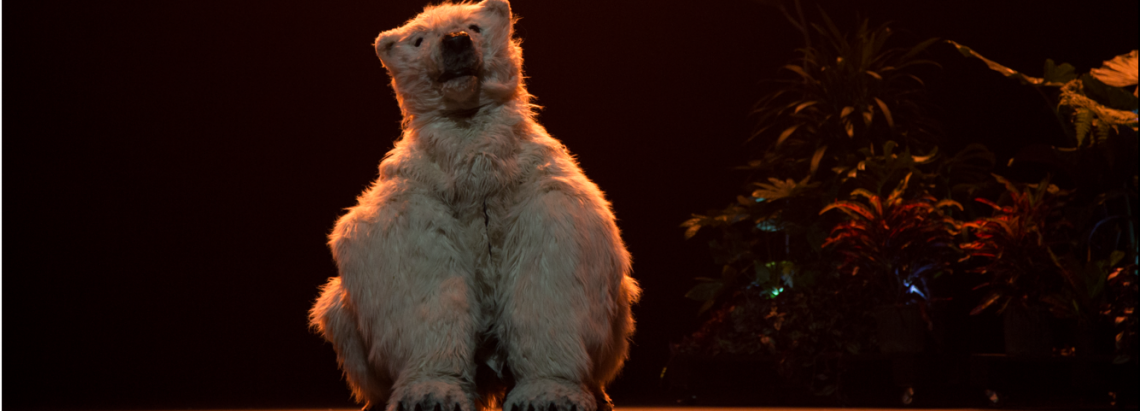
551, 407
551, 395
431, 396
428, 404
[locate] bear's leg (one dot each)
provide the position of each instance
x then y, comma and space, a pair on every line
565, 310
408, 274
436, 342
335, 319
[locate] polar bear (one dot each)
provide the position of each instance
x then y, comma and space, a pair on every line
482, 268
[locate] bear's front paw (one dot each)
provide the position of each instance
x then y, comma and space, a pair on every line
548, 395
430, 396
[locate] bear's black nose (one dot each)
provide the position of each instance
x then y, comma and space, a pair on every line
456, 42
459, 57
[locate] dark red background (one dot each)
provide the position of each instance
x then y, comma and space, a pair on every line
172, 168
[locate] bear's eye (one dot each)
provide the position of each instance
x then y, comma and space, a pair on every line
474, 28
418, 41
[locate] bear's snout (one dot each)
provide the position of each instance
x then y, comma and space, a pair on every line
457, 42
459, 58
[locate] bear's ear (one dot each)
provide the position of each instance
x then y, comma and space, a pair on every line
498, 8
384, 43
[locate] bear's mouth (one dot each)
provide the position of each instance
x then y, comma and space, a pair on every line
455, 73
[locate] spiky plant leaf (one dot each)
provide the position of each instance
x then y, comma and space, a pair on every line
815, 159
853, 209
886, 112
787, 133
1103, 132
993, 65
1082, 122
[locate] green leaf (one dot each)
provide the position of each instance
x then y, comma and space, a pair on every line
886, 112
787, 132
1005, 71
695, 220
692, 230
899, 190
1058, 75
863, 193
728, 273
1009, 186
889, 146
919, 48
1083, 124
992, 298
836, 35
853, 209
763, 275
1103, 130
1112, 97
800, 71
815, 159
1095, 278
972, 164
916, 79
705, 291
948, 203
775, 189
787, 268
804, 105
927, 157
1115, 257
708, 304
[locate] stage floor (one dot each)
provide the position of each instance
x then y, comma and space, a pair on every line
680, 409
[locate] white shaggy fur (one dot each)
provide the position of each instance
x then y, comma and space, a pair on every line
482, 248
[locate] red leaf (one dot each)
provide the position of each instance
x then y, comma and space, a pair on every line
993, 297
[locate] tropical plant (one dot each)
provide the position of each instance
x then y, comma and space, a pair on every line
753, 250
805, 329
1087, 282
1095, 100
1120, 308
1099, 115
1014, 247
849, 92
895, 245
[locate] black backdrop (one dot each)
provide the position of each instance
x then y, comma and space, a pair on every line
172, 168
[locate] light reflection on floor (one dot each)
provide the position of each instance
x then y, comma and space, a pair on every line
673, 409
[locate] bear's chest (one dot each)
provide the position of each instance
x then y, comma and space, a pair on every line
478, 192
478, 174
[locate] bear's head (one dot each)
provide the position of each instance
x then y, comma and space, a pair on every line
454, 58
